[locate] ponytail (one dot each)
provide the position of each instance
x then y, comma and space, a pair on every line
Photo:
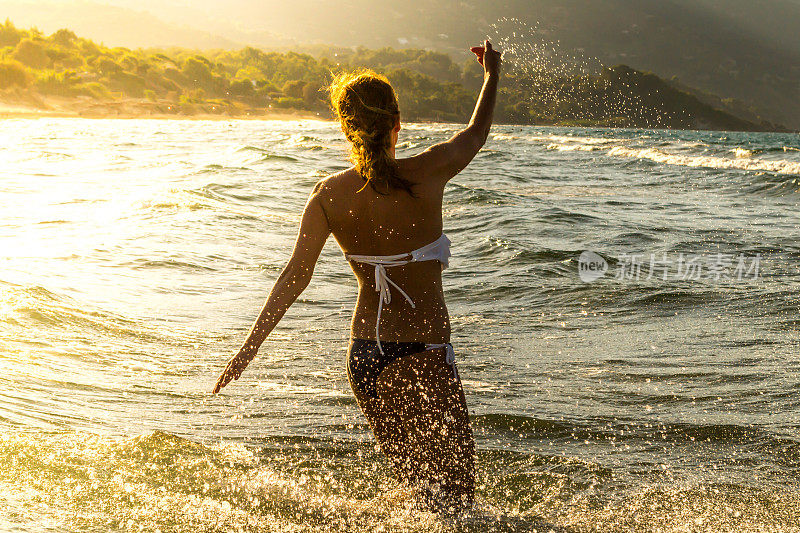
366, 106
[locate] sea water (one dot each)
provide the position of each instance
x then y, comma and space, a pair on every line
649, 396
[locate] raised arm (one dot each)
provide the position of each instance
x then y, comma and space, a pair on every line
293, 280
445, 160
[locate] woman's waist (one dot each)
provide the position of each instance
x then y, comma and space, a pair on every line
421, 274
411, 305
428, 322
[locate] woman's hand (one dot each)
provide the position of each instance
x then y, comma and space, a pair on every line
294, 278
488, 57
236, 366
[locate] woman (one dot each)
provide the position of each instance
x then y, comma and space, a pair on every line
386, 215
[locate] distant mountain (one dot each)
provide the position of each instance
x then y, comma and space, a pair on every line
775, 23
738, 49
684, 39
65, 74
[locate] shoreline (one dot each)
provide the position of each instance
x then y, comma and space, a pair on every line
137, 110
11, 111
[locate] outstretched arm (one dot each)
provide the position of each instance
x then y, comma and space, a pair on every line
445, 160
293, 280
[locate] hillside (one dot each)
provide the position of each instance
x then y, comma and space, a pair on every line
774, 22
87, 78
742, 51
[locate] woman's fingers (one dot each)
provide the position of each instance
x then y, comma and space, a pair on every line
478, 51
491, 57
221, 382
235, 367
486, 50
224, 378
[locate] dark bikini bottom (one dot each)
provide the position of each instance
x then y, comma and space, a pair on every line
365, 362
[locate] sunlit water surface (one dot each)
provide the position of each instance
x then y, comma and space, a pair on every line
134, 256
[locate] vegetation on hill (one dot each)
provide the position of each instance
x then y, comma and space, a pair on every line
430, 85
746, 52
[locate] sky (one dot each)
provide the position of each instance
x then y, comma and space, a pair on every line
368, 22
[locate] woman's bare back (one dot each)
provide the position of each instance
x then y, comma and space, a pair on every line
372, 224
369, 223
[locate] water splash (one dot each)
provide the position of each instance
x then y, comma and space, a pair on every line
528, 52
572, 87
162, 482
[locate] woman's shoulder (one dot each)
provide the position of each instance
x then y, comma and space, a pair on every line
346, 182
424, 167
332, 182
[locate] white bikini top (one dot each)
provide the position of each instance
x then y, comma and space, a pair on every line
438, 250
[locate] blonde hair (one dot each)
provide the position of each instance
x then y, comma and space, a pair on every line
366, 106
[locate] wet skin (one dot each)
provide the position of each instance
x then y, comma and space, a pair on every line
420, 417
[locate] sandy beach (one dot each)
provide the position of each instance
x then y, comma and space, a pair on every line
142, 108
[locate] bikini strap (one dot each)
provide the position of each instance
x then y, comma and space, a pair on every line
382, 283
437, 250
450, 358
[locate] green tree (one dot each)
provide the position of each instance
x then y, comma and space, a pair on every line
311, 94
13, 73
294, 88
106, 66
197, 71
31, 53
9, 34
242, 88
64, 37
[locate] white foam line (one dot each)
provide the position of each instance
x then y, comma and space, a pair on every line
574, 147
780, 166
743, 160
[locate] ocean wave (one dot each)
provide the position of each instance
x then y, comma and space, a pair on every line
556, 140
504, 137
749, 152
617, 430
465, 195
217, 169
277, 157
267, 155
580, 140
160, 481
306, 142
406, 145
743, 158
169, 264
743, 153
167, 202
670, 299
557, 214
659, 156
575, 147
36, 306
251, 148
237, 200
174, 199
